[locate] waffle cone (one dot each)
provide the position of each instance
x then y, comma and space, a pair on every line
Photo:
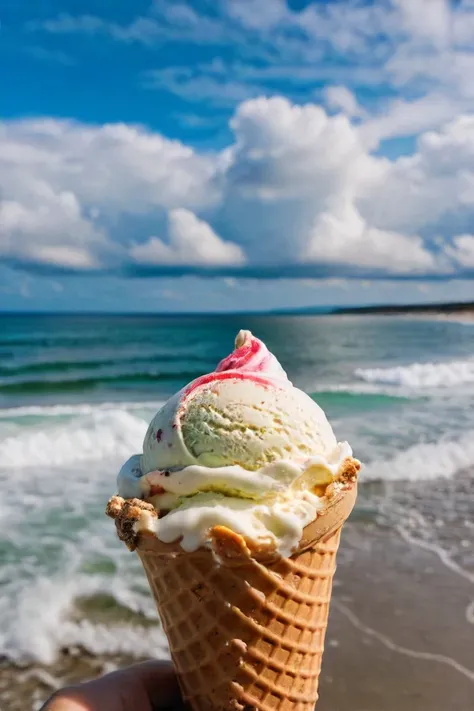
249, 635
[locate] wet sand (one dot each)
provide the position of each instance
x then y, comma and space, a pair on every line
401, 629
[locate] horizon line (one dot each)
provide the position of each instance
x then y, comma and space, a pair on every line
289, 311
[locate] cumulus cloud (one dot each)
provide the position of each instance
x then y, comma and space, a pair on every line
430, 191
191, 241
110, 164
66, 188
48, 228
297, 192
342, 236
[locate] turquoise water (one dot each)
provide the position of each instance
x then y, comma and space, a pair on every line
76, 394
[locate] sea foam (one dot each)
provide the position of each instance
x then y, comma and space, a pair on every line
425, 460
421, 375
94, 436
77, 409
46, 620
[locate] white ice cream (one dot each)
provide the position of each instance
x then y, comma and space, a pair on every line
241, 448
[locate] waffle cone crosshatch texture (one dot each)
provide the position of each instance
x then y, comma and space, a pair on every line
249, 636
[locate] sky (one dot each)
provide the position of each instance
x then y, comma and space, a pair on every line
218, 155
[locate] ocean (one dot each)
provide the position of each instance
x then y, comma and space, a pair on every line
77, 393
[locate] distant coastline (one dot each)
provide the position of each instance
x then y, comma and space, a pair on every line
453, 310
456, 310
450, 308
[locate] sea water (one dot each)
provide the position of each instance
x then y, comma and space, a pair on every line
77, 393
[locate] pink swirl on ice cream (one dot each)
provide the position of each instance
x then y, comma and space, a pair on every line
251, 360
252, 356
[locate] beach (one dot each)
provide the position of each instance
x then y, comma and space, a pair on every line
75, 399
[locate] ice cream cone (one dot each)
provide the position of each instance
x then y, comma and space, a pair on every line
245, 627
242, 475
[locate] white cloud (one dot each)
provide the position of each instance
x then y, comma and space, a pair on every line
342, 236
463, 250
339, 97
348, 27
258, 14
287, 151
287, 166
48, 229
408, 118
168, 21
66, 24
427, 20
66, 185
191, 241
431, 190
111, 165
76, 258
296, 189
194, 85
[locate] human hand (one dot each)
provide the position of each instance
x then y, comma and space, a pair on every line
141, 687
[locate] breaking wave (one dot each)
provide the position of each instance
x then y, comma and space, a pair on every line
421, 375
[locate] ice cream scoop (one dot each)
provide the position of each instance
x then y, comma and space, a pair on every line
239, 447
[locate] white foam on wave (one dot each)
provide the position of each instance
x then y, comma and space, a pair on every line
44, 622
421, 375
78, 409
139, 642
363, 388
424, 461
90, 437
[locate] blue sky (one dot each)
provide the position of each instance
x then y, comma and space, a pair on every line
177, 156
